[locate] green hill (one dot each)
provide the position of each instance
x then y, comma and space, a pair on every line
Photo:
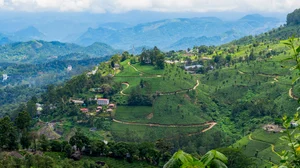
37, 51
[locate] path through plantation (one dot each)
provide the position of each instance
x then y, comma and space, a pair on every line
292, 95
210, 124
275, 77
127, 86
272, 146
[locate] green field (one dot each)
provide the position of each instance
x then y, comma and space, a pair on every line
137, 133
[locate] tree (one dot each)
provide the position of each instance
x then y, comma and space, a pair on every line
23, 121
293, 18
160, 61
31, 108
236, 159
137, 98
97, 147
25, 140
68, 150
44, 143
125, 55
79, 139
8, 134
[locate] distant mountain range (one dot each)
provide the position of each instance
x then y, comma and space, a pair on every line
169, 34
178, 33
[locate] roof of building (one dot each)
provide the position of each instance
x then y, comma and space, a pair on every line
102, 99
84, 109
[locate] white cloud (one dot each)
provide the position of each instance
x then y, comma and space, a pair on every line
119, 6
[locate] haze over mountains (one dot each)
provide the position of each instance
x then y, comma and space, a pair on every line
169, 34
180, 33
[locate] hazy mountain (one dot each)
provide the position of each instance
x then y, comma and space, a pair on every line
189, 42
4, 39
26, 34
115, 25
169, 33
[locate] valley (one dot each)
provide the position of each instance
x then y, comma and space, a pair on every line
232, 103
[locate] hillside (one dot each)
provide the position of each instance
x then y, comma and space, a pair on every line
172, 34
138, 110
237, 97
37, 51
31, 66
141, 121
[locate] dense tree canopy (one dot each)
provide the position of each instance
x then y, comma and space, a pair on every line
294, 18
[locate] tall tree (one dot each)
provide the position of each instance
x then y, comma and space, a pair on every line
8, 134
23, 121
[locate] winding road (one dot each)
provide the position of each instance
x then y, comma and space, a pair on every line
291, 94
210, 124
272, 145
127, 86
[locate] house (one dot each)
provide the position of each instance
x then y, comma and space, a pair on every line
84, 110
78, 102
294, 124
39, 108
112, 106
102, 102
69, 68
109, 110
99, 108
5, 77
192, 67
117, 66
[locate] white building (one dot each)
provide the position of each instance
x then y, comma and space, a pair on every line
5, 77
102, 101
69, 68
192, 67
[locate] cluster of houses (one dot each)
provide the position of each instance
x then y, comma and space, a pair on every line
103, 105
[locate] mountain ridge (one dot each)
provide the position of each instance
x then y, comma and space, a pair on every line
165, 33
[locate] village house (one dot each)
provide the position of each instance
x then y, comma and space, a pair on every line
192, 67
102, 102
99, 108
39, 108
109, 110
111, 106
84, 110
117, 66
80, 102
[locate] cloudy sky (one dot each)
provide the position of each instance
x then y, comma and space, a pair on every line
121, 6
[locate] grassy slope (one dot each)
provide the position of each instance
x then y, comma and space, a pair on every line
182, 108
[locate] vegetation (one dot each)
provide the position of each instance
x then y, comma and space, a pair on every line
163, 103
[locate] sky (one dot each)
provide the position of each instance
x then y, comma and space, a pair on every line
122, 6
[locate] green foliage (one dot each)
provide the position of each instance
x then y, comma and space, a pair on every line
236, 159
153, 57
212, 159
8, 134
23, 120
136, 98
79, 139
293, 18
